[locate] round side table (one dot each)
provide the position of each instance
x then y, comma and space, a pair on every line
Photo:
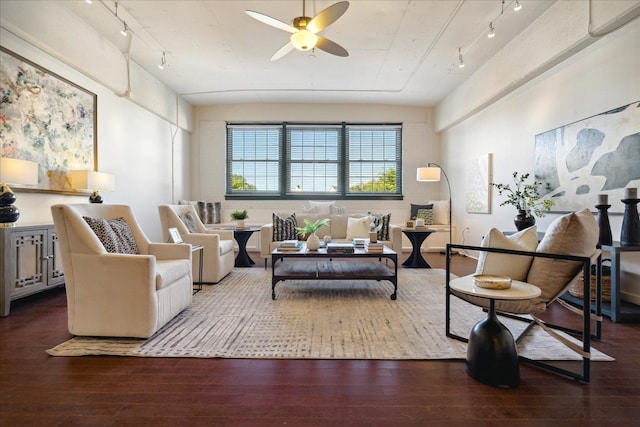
416, 237
242, 236
492, 357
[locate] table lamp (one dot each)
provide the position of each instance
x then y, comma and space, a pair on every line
92, 181
18, 172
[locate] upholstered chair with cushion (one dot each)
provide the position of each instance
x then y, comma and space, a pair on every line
118, 283
563, 257
218, 244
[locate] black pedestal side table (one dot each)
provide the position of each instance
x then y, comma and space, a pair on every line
242, 236
492, 357
416, 237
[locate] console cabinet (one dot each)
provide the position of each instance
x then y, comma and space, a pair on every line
30, 262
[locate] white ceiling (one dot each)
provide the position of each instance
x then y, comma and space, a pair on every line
401, 52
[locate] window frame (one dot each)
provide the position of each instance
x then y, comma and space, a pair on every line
343, 162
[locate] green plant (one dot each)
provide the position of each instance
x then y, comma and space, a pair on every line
524, 196
236, 215
311, 227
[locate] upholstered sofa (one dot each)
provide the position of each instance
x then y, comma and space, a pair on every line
338, 228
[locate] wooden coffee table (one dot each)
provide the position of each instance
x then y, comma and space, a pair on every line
320, 265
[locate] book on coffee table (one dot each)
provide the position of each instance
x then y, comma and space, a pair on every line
340, 248
287, 248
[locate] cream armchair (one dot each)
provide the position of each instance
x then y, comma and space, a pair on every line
218, 244
119, 294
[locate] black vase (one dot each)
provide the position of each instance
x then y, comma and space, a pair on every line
524, 220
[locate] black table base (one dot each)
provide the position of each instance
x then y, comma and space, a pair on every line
416, 237
492, 357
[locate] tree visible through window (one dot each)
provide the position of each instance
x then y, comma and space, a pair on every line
314, 160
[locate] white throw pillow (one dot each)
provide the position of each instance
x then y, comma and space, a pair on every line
514, 266
323, 208
440, 211
358, 227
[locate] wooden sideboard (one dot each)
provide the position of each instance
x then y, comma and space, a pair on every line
30, 262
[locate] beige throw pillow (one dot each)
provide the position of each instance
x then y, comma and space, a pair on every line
514, 266
358, 227
571, 234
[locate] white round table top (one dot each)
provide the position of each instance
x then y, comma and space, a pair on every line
517, 291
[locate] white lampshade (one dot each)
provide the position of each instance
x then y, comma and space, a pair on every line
18, 172
429, 173
304, 40
92, 180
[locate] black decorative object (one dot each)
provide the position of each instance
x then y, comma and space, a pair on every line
9, 213
605, 237
95, 197
524, 220
630, 233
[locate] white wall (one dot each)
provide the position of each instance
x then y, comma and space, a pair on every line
147, 154
601, 77
420, 145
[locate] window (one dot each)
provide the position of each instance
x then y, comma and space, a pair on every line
332, 161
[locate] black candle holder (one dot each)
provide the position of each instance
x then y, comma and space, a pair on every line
630, 232
605, 237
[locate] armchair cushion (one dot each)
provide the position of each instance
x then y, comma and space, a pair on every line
284, 228
571, 234
168, 271
515, 267
114, 234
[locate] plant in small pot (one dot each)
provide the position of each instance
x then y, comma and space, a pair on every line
310, 228
526, 198
239, 217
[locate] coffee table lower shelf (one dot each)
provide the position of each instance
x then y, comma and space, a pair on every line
288, 268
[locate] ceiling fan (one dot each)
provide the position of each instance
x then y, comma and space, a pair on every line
304, 31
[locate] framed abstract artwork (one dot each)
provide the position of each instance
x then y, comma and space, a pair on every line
478, 186
46, 119
597, 155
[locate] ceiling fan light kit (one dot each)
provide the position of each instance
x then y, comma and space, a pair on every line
304, 30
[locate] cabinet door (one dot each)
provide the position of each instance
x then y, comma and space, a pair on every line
54, 260
27, 269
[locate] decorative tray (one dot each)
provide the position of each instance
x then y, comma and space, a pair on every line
492, 281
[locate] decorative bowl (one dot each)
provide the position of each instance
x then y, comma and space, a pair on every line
492, 281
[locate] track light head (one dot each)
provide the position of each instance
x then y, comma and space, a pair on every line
163, 61
492, 32
461, 63
517, 6
125, 29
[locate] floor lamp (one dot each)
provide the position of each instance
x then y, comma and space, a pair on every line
431, 173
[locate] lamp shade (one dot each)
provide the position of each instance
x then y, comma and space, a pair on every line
304, 40
92, 180
18, 172
429, 173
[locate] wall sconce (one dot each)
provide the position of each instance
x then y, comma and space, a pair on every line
18, 172
92, 181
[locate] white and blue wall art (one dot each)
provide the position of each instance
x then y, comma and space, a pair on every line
597, 155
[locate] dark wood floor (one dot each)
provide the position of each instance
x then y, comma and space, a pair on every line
39, 390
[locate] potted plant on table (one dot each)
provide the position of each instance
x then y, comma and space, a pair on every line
526, 198
239, 217
310, 228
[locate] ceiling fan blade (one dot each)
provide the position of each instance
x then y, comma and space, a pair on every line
282, 51
331, 47
271, 21
328, 16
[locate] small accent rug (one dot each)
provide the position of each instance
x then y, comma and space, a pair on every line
318, 320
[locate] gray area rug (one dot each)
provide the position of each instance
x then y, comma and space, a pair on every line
317, 320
